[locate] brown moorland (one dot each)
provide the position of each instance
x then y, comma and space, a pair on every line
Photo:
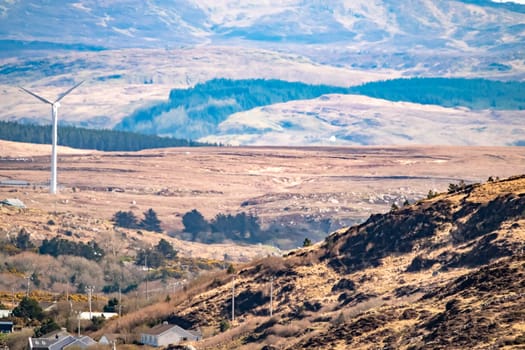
285, 185
443, 273
419, 275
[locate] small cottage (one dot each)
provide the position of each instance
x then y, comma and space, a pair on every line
166, 334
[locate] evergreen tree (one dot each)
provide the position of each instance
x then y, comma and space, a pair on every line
149, 258
111, 306
166, 249
150, 221
58, 246
194, 223
28, 308
125, 219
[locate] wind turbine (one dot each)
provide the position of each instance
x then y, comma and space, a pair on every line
54, 132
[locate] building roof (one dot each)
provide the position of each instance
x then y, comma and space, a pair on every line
112, 337
82, 342
13, 202
159, 329
6, 326
86, 315
165, 327
59, 340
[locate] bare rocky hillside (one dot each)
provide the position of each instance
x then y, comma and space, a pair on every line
448, 272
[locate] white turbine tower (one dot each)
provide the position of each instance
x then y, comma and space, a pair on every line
54, 132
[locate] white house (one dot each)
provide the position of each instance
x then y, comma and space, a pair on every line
5, 313
86, 315
166, 334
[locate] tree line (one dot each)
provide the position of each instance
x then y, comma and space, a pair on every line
449, 92
128, 219
241, 227
82, 138
55, 246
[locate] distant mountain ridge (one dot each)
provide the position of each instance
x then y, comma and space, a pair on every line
387, 25
133, 53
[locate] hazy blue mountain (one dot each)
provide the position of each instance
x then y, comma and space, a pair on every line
370, 33
133, 52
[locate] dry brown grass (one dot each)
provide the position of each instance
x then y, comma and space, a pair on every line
237, 331
342, 182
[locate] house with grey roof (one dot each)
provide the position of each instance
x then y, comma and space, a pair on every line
165, 334
60, 340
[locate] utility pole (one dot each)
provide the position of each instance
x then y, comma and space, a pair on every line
271, 296
13, 302
147, 270
119, 302
28, 278
78, 317
233, 299
90, 290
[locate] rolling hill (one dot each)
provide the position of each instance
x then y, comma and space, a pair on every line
358, 120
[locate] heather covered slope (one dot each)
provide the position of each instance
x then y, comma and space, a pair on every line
448, 272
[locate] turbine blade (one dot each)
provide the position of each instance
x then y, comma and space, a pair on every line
68, 91
35, 95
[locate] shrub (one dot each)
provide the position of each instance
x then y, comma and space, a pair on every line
224, 325
28, 309
307, 242
49, 325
